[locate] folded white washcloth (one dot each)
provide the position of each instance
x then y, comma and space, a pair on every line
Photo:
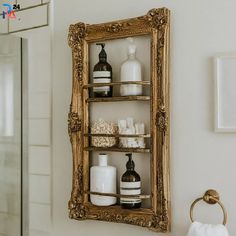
199, 229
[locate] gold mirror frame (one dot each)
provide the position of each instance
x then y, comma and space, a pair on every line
155, 23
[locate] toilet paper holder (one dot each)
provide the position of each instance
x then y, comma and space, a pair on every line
211, 196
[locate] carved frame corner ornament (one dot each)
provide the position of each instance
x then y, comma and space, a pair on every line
158, 18
156, 25
159, 224
77, 210
77, 33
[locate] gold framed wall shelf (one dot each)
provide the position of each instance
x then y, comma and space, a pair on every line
154, 26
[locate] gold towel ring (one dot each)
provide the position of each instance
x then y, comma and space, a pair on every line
211, 197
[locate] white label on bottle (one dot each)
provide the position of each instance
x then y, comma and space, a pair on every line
130, 184
103, 88
130, 192
101, 80
129, 200
101, 74
130, 188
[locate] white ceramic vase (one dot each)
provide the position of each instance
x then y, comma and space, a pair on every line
102, 180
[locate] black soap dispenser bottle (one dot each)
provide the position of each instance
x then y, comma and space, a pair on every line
102, 73
130, 184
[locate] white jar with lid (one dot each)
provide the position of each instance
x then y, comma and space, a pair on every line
103, 180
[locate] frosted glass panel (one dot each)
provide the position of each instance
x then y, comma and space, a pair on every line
6, 97
10, 136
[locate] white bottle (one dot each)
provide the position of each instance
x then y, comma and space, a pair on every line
103, 180
131, 71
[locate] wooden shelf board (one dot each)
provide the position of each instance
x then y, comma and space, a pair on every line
140, 196
140, 211
119, 99
117, 149
119, 135
143, 83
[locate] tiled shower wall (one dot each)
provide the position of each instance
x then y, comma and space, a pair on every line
34, 14
39, 152
37, 172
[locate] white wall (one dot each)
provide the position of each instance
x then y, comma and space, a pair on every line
200, 158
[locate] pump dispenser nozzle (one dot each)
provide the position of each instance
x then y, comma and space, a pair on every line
132, 46
101, 44
102, 55
130, 164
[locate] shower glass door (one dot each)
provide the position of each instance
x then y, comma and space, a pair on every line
10, 137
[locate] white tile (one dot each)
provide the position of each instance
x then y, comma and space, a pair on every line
39, 189
13, 225
28, 3
3, 224
40, 51
10, 225
39, 132
8, 1
14, 204
38, 233
39, 160
39, 105
3, 203
3, 24
17, 132
39, 74
29, 18
39, 217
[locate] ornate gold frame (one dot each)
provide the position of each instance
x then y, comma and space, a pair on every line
156, 24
